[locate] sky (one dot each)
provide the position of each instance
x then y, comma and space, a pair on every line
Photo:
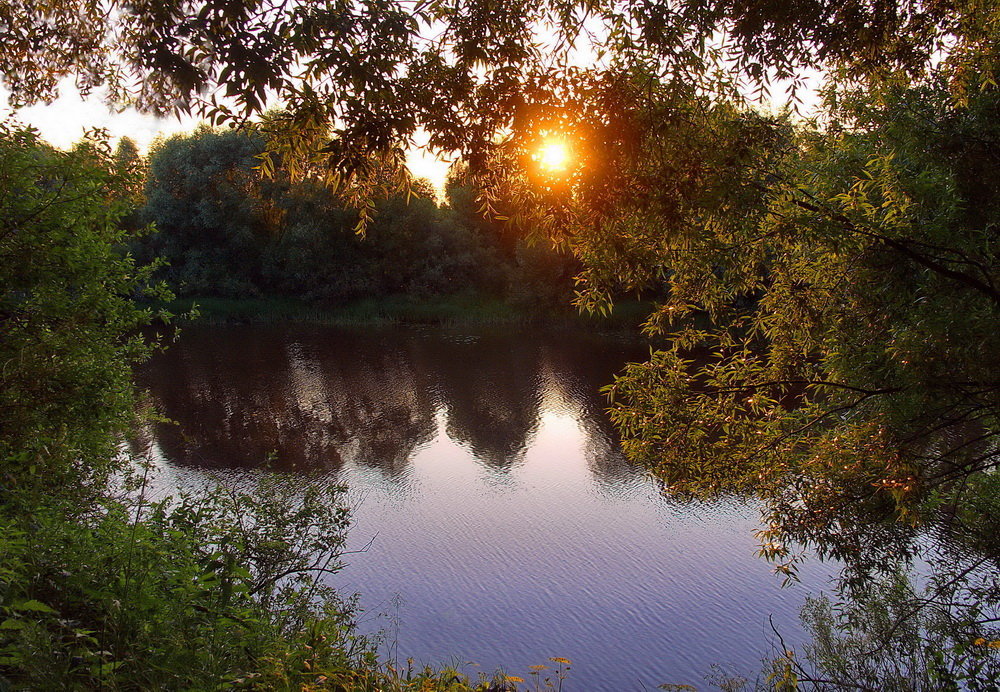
63, 122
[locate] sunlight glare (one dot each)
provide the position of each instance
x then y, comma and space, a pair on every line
553, 155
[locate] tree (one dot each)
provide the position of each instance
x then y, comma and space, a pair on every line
832, 322
66, 313
213, 213
97, 590
537, 273
831, 310
849, 278
359, 79
223, 230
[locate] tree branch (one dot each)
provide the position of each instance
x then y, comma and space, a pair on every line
903, 247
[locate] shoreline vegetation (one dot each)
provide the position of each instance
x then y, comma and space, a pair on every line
444, 311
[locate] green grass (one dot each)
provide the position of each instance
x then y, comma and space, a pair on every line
454, 310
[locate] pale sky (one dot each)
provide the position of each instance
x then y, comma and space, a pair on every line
62, 123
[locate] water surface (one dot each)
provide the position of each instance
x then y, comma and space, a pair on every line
507, 525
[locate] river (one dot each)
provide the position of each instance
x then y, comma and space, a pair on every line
506, 527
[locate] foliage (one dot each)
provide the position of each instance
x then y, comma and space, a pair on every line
211, 210
99, 592
421, 251
536, 272
848, 277
219, 588
224, 231
829, 297
66, 313
212, 589
830, 289
833, 317
896, 634
359, 80
887, 638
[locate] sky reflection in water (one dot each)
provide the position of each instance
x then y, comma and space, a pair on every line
509, 526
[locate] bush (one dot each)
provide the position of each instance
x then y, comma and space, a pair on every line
207, 590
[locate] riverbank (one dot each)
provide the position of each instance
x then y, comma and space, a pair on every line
446, 311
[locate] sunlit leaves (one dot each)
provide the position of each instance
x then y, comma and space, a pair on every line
471, 73
829, 304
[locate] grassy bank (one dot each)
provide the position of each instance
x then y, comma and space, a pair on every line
447, 311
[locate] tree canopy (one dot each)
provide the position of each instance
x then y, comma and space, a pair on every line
223, 230
360, 78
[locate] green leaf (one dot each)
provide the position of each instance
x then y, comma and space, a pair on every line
33, 606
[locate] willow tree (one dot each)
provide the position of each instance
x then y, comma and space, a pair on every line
833, 307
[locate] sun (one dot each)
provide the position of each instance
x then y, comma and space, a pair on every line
553, 155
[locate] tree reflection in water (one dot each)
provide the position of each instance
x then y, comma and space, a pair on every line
242, 396
319, 398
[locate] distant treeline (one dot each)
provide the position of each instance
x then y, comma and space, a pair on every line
224, 230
